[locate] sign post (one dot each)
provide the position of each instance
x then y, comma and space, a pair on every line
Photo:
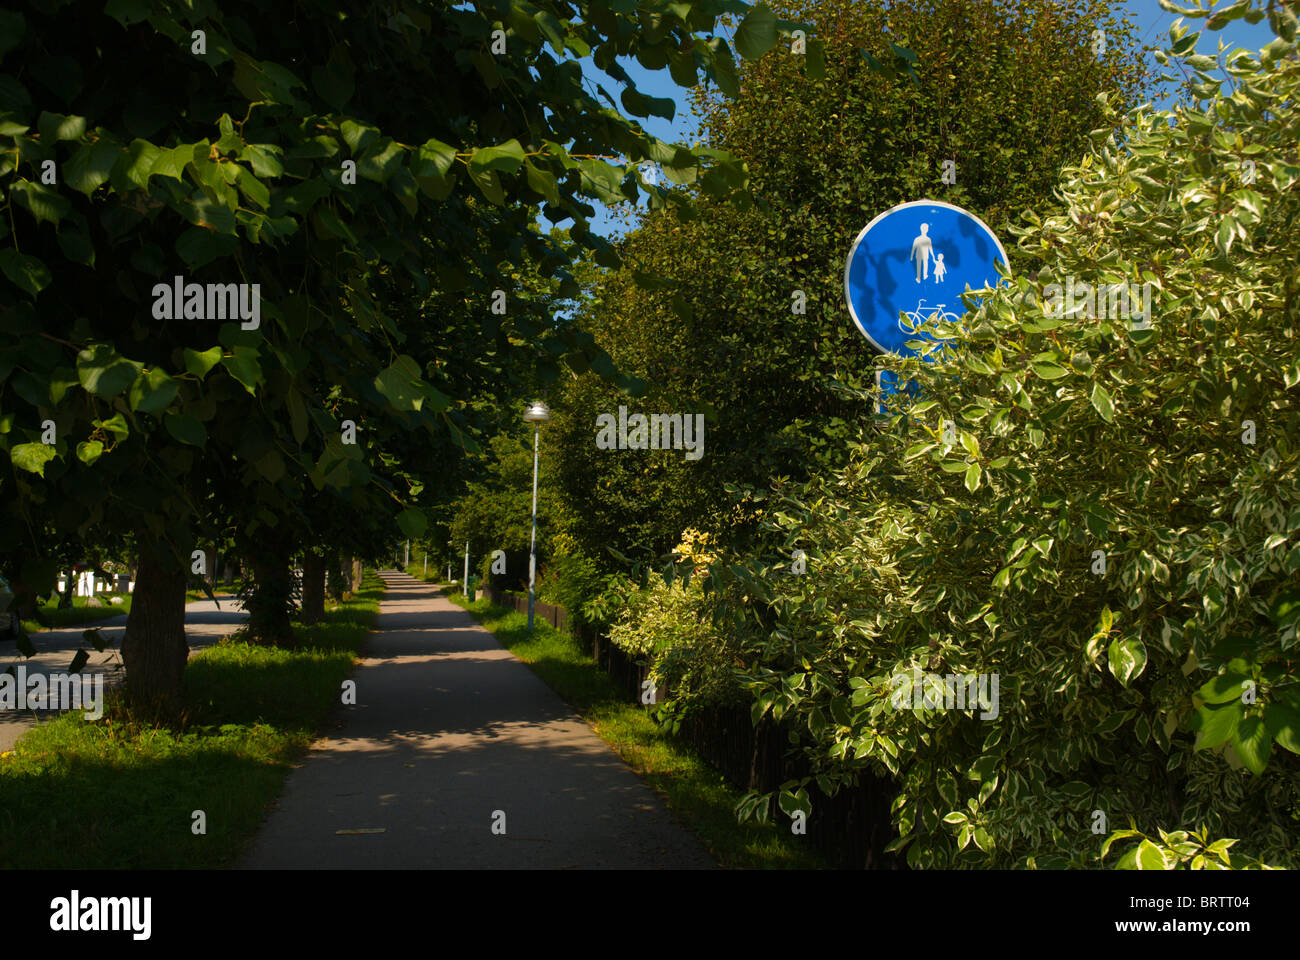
916, 259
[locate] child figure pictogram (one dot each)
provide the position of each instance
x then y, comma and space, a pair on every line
939, 268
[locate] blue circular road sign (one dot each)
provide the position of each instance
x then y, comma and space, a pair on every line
917, 258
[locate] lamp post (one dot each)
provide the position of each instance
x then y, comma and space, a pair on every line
537, 414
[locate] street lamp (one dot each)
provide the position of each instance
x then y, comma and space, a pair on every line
537, 414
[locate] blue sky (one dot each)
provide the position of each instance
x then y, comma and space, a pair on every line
1151, 21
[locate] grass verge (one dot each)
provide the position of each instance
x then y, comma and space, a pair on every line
114, 793
79, 614
694, 790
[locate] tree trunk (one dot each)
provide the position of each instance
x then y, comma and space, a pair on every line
313, 587
271, 601
357, 575
69, 588
154, 650
336, 585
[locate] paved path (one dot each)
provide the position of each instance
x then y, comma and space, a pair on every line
205, 623
449, 728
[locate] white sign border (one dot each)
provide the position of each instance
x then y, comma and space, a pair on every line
848, 263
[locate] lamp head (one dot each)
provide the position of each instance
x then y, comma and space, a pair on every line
538, 412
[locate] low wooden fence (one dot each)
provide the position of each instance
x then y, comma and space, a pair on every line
850, 829
557, 617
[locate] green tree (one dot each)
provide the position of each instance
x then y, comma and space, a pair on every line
739, 313
1101, 511
303, 154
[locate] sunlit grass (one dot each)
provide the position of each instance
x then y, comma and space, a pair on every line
115, 793
79, 614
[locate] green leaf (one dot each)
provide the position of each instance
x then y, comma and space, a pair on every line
1214, 726
91, 165
44, 203
264, 158
244, 367
401, 383
433, 159
357, 136
334, 224
55, 126
506, 157
200, 363
32, 457
26, 273
1253, 743
1049, 371
1150, 857
412, 522
186, 428
135, 165
335, 84
172, 163
13, 27
1127, 659
489, 185
104, 372
638, 104
1224, 688
1102, 402
757, 33
116, 425
253, 188
543, 182
297, 415
88, 451
152, 392
972, 478
199, 246
1283, 725
1224, 237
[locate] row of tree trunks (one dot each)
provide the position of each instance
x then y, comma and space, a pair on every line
154, 649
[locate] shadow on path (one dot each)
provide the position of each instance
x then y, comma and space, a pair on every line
450, 734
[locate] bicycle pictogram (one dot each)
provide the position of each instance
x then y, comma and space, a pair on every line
917, 319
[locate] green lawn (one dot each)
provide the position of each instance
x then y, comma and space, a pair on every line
695, 791
117, 794
80, 614
222, 590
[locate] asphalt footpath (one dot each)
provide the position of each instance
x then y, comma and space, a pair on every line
455, 755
